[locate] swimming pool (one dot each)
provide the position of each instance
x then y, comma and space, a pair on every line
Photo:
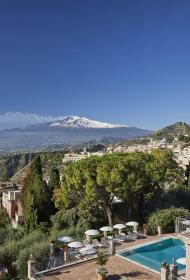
152, 255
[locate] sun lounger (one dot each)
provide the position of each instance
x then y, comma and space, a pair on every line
132, 235
86, 242
104, 241
139, 234
120, 238
96, 243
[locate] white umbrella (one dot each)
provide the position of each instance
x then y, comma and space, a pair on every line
65, 239
76, 244
132, 224
91, 232
119, 227
181, 261
106, 229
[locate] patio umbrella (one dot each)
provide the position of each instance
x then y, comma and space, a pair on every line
106, 229
76, 244
181, 261
89, 233
65, 239
119, 227
132, 224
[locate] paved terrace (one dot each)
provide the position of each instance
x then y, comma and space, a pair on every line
117, 267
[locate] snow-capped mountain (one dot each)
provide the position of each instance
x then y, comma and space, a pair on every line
81, 122
66, 131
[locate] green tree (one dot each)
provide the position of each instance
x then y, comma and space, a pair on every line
164, 170
36, 198
54, 182
90, 185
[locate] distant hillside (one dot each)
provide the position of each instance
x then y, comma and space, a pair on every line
12, 166
38, 138
179, 129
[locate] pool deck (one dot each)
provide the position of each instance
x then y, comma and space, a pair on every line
117, 267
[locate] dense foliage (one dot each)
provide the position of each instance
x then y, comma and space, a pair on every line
13, 166
166, 217
4, 219
36, 197
10, 164
89, 186
18, 248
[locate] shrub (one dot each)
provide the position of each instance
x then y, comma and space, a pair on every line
30, 239
4, 218
63, 219
8, 253
39, 251
76, 232
165, 218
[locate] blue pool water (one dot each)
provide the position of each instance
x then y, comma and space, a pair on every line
154, 254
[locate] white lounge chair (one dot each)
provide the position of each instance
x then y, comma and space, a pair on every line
96, 243
120, 238
140, 234
104, 241
86, 242
132, 235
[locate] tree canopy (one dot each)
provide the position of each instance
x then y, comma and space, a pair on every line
91, 185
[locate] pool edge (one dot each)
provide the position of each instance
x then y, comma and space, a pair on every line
142, 245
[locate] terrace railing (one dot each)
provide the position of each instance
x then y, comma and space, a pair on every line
37, 275
182, 225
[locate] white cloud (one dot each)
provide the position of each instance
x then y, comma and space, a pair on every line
19, 119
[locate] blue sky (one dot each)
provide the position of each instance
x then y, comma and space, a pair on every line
124, 61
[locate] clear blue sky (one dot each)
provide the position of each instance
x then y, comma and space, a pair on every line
123, 61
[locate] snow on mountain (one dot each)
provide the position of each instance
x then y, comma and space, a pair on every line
81, 122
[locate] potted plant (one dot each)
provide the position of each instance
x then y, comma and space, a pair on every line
165, 269
101, 261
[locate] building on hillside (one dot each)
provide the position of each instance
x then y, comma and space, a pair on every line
19, 217
6, 185
72, 157
182, 155
10, 202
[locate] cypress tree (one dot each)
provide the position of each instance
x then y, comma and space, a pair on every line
35, 197
54, 181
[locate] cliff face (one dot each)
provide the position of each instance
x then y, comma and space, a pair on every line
10, 164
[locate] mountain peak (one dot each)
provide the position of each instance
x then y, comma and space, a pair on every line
82, 122
178, 128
